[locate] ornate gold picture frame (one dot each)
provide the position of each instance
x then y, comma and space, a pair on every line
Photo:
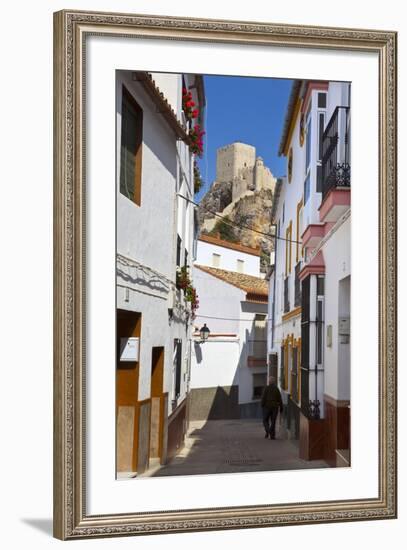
71, 518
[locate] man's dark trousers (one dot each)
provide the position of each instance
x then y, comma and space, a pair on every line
269, 420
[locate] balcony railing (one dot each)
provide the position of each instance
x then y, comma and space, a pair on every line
286, 295
335, 151
297, 286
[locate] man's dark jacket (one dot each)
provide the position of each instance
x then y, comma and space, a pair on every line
271, 397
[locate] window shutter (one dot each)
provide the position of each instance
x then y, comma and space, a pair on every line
130, 150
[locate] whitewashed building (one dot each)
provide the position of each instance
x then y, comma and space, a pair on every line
309, 283
229, 370
155, 237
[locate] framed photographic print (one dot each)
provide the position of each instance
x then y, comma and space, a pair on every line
225, 274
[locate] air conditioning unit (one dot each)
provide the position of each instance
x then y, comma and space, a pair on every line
129, 349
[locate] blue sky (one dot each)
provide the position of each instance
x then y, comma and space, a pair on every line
250, 110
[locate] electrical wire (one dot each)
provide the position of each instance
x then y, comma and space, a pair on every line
229, 318
241, 226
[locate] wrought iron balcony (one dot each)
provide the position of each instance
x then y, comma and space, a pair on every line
336, 151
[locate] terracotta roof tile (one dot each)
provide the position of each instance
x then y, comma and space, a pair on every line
150, 86
255, 286
227, 244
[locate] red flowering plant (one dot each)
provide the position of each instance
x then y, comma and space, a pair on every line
192, 297
182, 279
196, 135
188, 105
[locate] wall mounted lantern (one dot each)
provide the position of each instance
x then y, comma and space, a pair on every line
204, 332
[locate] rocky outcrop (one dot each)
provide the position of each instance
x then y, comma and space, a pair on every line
216, 199
241, 219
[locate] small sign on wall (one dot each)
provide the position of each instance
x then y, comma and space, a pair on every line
329, 336
129, 349
344, 325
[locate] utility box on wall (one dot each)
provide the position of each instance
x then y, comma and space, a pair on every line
129, 349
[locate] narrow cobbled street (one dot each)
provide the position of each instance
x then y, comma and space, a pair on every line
227, 446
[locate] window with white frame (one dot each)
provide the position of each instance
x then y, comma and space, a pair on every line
215, 260
308, 142
320, 320
321, 115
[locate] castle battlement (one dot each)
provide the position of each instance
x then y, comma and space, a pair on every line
237, 163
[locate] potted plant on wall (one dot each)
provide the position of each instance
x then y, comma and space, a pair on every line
188, 105
197, 178
196, 135
192, 297
182, 278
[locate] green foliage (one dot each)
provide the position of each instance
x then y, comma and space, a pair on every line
182, 279
197, 179
264, 257
224, 231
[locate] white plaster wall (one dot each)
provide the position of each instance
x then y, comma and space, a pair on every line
337, 255
219, 303
246, 331
291, 194
270, 314
228, 258
142, 231
223, 309
152, 315
344, 357
215, 363
169, 84
146, 234
156, 332
338, 94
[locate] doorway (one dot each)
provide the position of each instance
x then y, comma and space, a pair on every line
128, 326
157, 404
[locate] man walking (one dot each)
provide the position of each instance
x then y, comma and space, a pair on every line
271, 403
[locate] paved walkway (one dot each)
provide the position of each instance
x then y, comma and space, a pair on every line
227, 446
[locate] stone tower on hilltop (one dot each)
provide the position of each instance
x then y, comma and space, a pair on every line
237, 164
241, 197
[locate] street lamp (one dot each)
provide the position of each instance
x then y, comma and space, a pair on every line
204, 332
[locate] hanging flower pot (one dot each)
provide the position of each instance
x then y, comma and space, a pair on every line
196, 135
182, 278
188, 105
197, 179
192, 297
